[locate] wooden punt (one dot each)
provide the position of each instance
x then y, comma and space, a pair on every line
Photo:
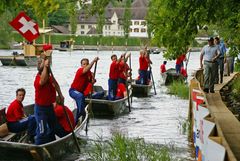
12, 146
171, 76
107, 108
140, 90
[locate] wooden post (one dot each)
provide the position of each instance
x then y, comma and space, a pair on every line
43, 37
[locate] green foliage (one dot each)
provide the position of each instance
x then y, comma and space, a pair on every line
237, 66
121, 148
59, 17
180, 89
5, 30
72, 11
42, 8
236, 89
175, 23
98, 8
127, 18
89, 40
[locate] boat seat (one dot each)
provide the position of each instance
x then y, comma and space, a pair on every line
8, 137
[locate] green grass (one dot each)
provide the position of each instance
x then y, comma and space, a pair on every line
179, 89
121, 148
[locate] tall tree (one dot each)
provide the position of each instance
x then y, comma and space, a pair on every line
98, 7
175, 23
72, 12
127, 18
5, 30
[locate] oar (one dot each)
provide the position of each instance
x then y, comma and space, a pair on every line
90, 102
129, 105
153, 81
130, 65
65, 113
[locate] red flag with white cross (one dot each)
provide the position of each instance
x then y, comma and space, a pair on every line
25, 26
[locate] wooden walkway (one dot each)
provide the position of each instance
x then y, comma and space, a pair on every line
228, 126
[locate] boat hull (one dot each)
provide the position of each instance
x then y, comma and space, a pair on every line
139, 90
172, 76
55, 150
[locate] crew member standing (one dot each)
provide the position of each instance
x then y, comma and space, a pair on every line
45, 95
81, 80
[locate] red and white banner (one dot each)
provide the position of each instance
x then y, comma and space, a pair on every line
25, 26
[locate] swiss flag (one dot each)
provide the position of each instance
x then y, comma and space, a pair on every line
25, 26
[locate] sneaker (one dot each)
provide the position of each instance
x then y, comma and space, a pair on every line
206, 90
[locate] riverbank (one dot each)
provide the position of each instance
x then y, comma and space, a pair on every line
108, 48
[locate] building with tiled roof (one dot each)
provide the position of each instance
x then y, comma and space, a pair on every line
114, 21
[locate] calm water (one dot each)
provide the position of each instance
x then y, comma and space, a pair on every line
157, 119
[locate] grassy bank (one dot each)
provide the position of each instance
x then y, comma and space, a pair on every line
179, 89
121, 148
89, 40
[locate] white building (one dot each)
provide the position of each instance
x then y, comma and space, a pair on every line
114, 21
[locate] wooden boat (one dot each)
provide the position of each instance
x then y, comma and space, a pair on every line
171, 76
29, 55
13, 147
140, 90
66, 45
103, 107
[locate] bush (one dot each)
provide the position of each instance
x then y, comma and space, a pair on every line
180, 89
121, 148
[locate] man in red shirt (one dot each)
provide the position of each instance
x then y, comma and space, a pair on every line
79, 85
113, 77
45, 95
163, 67
123, 69
144, 62
121, 91
179, 62
16, 120
62, 127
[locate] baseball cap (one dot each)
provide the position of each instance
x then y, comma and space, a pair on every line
210, 38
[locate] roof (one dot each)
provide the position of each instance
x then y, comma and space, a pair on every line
92, 31
139, 9
60, 29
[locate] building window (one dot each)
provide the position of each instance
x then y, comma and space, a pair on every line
82, 32
106, 27
109, 27
143, 30
82, 26
136, 22
114, 22
143, 23
89, 26
136, 30
113, 33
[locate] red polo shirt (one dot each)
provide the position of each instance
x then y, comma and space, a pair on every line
180, 59
120, 90
163, 68
62, 119
44, 95
143, 62
14, 112
81, 80
88, 90
113, 73
123, 68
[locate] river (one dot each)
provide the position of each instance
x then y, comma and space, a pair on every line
157, 119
